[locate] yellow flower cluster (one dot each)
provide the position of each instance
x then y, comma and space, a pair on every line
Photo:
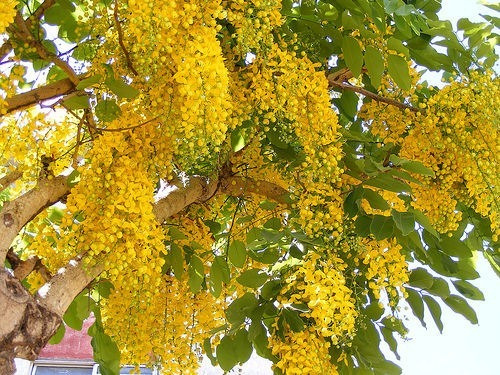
387, 267
8, 12
303, 353
320, 284
168, 330
457, 138
254, 22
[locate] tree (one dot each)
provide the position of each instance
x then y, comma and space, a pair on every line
229, 176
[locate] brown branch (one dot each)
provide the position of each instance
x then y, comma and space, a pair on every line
50, 91
339, 79
371, 95
120, 40
23, 268
25, 34
127, 128
37, 14
243, 185
17, 213
10, 178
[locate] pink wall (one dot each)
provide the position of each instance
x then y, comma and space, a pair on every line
74, 345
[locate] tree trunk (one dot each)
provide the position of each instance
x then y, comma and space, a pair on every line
26, 325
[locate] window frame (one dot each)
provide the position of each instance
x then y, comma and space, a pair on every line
63, 363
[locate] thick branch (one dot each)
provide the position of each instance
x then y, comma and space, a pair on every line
23, 268
10, 178
243, 185
61, 290
197, 189
50, 91
7, 46
17, 213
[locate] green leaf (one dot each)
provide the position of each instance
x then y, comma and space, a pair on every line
176, 260
215, 281
59, 335
237, 253
398, 46
90, 81
454, 247
390, 340
270, 289
398, 70
405, 221
417, 167
240, 307
242, 346
439, 288
375, 64
389, 183
106, 352
381, 227
121, 89
375, 199
196, 272
77, 102
104, 287
435, 311
293, 319
237, 140
226, 354
421, 278
107, 110
460, 306
207, 347
353, 55
352, 201
425, 222
78, 311
417, 305
468, 290
362, 225
252, 278
273, 223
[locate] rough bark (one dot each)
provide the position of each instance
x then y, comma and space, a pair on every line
26, 325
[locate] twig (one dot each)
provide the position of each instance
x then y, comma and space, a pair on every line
127, 128
339, 79
371, 95
120, 40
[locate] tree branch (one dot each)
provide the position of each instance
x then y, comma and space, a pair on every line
10, 178
120, 39
17, 213
37, 14
237, 186
53, 90
23, 268
339, 79
25, 34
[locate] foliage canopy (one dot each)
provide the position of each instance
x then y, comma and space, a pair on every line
220, 176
